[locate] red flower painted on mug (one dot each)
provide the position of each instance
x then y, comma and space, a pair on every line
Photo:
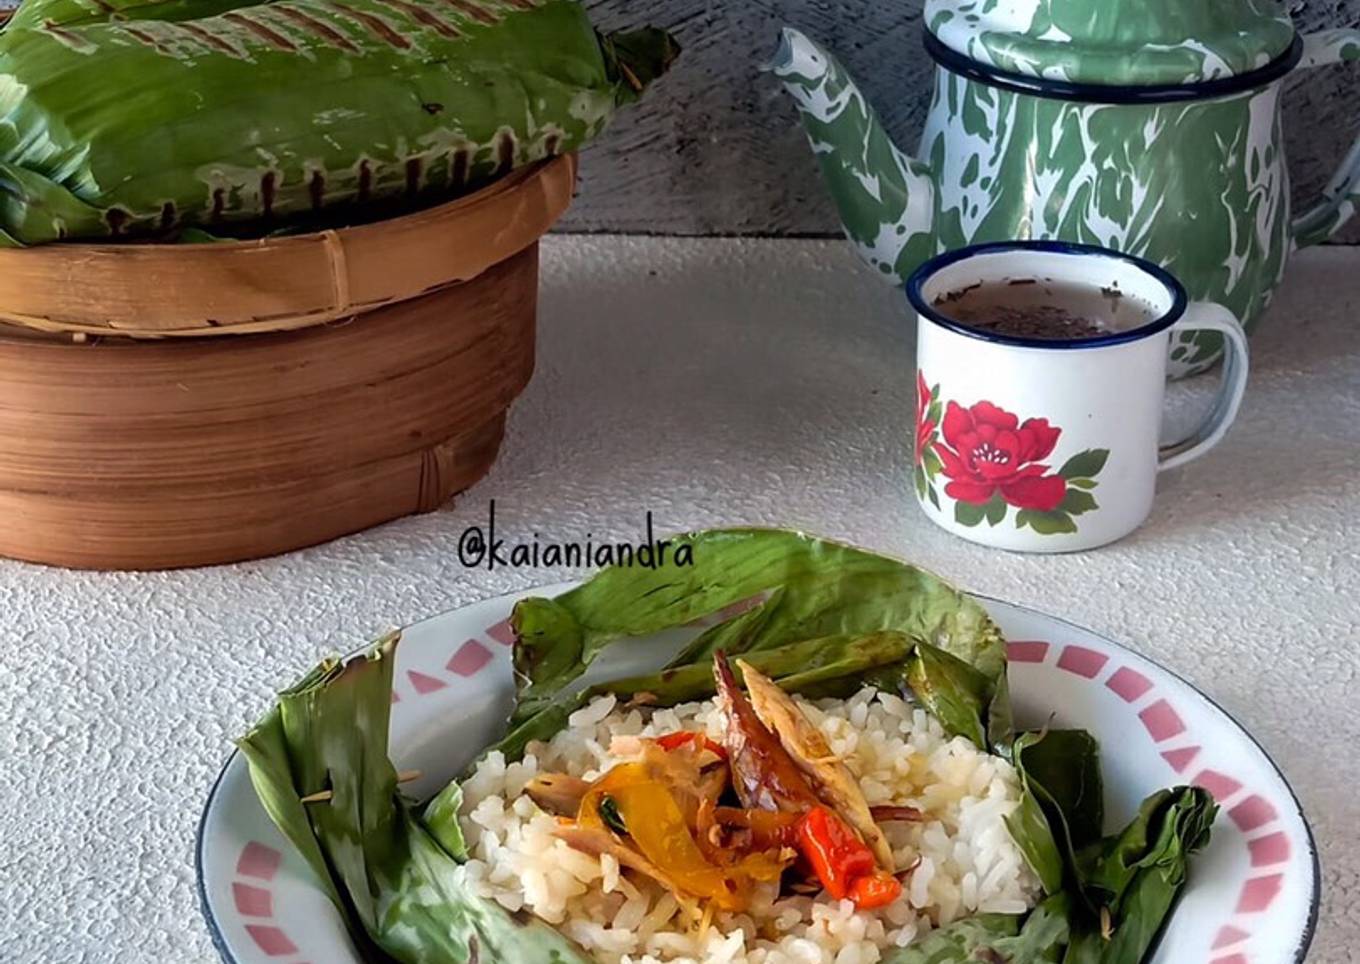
925, 426
986, 450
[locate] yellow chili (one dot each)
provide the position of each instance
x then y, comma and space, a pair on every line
654, 823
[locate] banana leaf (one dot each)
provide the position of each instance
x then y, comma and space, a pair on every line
896, 596
817, 588
398, 889
1067, 764
952, 691
31, 205
995, 938
441, 818
962, 942
803, 667
1118, 891
1137, 876
1062, 805
141, 119
1001, 718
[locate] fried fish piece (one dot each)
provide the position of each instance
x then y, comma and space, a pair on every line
764, 775
831, 780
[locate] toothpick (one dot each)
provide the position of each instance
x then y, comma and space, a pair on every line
321, 796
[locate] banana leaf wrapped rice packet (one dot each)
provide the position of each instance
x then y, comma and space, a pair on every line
828, 621
131, 119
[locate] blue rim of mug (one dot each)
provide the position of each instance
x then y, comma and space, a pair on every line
916, 295
1088, 93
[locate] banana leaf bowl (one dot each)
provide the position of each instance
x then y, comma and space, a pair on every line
177, 405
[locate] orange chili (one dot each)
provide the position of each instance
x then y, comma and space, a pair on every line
875, 890
673, 740
836, 853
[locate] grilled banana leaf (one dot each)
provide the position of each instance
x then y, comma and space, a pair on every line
1138, 875
401, 893
131, 118
818, 588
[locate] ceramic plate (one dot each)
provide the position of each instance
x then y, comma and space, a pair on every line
1253, 895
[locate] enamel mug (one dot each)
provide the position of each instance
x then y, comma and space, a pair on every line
1042, 445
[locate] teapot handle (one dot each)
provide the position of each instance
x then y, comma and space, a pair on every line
1342, 194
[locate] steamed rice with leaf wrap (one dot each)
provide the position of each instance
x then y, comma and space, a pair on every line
832, 775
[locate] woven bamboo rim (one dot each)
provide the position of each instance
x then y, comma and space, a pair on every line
278, 284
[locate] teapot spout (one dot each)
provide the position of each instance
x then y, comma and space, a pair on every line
886, 197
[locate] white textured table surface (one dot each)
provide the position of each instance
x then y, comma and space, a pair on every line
710, 382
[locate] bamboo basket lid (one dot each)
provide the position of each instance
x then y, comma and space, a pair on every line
282, 283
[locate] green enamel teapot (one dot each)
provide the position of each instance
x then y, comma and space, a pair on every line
1149, 126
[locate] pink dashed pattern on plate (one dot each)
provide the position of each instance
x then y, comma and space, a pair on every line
502, 633
1222, 787
255, 903
1161, 721
424, 683
258, 861
1253, 813
1027, 652
1269, 850
1082, 661
1180, 759
1129, 684
470, 658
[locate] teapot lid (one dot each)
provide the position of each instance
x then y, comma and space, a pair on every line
1129, 43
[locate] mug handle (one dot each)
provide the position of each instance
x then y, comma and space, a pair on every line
1342, 193
1207, 316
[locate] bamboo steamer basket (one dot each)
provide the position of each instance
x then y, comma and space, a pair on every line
249, 398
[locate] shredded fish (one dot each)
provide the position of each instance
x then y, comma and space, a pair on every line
557, 793
831, 779
764, 774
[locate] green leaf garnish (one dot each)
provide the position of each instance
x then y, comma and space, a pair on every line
609, 813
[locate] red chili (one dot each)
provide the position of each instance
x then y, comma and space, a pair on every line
836, 853
672, 740
875, 890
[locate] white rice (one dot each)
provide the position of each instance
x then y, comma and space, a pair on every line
968, 862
